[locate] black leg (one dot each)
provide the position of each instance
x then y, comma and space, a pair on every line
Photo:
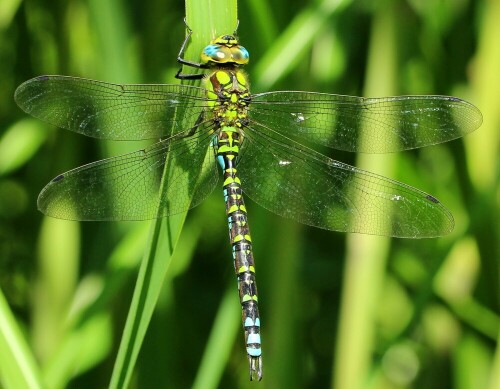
181, 60
180, 56
200, 119
182, 76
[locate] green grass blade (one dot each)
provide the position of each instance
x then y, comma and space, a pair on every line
206, 20
220, 341
209, 20
114, 38
366, 256
149, 282
18, 369
291, 46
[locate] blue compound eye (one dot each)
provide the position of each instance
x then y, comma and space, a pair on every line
240, 55
225, 49
216, 54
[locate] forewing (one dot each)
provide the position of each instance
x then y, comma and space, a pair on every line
371, 125
111, 111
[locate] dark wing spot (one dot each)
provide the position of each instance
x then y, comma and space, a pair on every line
58, 178
432, 198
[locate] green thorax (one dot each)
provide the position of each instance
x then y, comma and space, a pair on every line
228, 97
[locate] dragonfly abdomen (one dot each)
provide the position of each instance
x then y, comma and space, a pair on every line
227, 149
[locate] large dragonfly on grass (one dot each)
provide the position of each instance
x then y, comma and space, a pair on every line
261, 144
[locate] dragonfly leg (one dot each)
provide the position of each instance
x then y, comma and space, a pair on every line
181, 76
182, 61
200, 119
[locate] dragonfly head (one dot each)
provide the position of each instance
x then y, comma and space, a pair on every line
225, 49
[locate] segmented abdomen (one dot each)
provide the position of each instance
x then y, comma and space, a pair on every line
227, 149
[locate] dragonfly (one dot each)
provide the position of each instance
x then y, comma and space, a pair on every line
262, 144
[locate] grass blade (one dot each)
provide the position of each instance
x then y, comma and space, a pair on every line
18, 369
201, 18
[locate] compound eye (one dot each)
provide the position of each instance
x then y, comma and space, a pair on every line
240, 55
215, 53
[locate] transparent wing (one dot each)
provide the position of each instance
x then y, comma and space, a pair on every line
298, 183
371, 125
110, 111
133, 186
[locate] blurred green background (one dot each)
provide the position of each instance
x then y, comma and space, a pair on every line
338, 310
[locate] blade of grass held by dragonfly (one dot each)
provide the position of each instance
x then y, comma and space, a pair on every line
148, 286
164, 235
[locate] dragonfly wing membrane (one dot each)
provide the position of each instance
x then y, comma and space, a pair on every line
111, 111
296, 182
371, 125
166, 178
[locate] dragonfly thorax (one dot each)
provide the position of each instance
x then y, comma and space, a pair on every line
228, 97
225, 50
